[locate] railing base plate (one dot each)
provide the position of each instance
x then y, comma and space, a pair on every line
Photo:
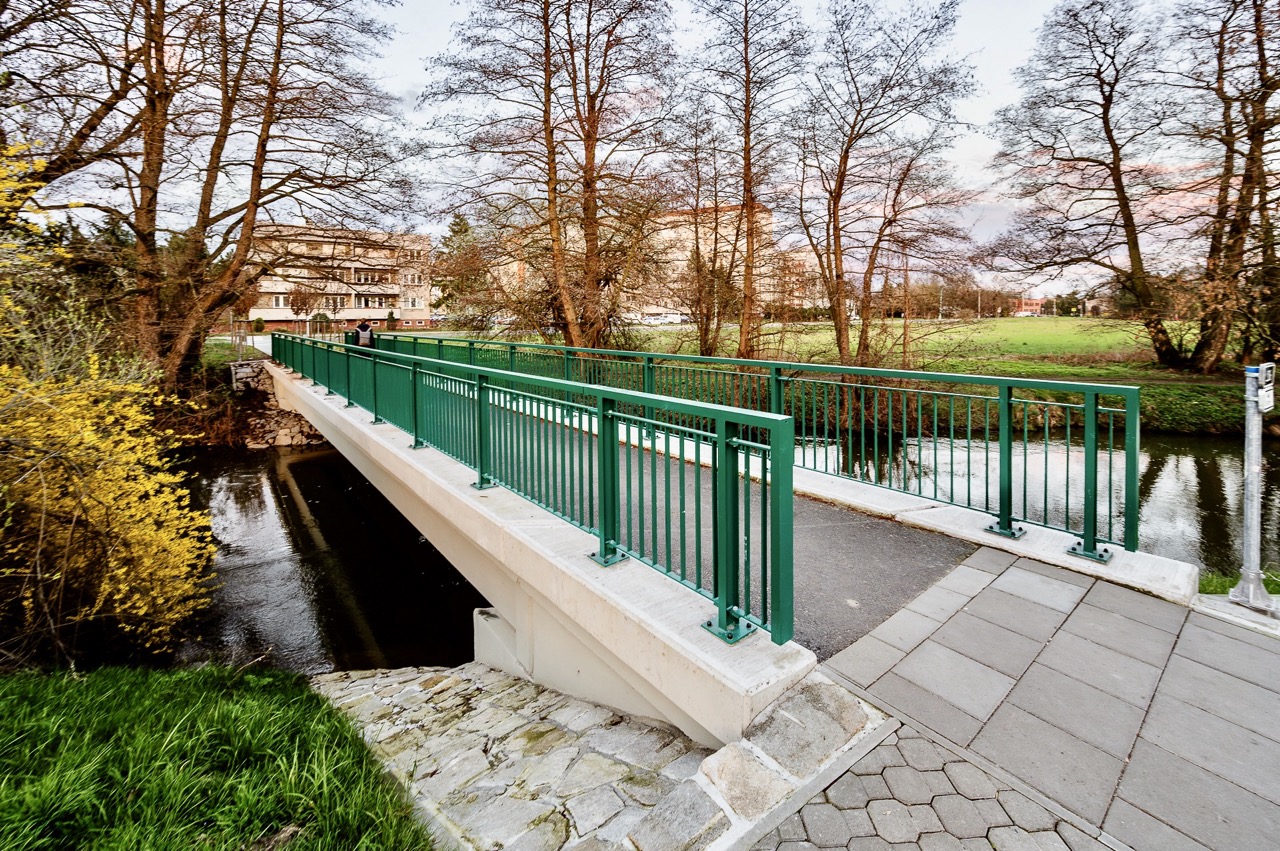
1103, 555
1014, 533
607, 562
733, 634
483, 486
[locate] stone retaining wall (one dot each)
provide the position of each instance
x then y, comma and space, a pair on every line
269, 425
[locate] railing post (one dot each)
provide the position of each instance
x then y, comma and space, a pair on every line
471, 352
782, 451
607, 470
568, 365
1004, 522
373, 370
728, 626
418, 442
439, 348
346, 360
1131, 422
511, 357
1087, 546
647, 385
775, 390
484, 478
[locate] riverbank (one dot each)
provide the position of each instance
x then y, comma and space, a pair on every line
210, 758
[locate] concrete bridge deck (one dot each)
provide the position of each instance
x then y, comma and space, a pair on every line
1043, 708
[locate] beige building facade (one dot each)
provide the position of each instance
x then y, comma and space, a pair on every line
339, 277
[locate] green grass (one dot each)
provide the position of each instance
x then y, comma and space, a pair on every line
1217, 583
193, 759
219, 353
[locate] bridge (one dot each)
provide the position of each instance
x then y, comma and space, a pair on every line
537, 468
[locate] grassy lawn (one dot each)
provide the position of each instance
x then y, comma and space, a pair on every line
210, 758
1216, 583
219, 353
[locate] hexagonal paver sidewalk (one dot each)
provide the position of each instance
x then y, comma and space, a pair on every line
910, 794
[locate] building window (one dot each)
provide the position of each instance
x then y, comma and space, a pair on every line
279, 301
411, 278
412, 302
313, 248
372, 301
372, 276
413, 255
334, 303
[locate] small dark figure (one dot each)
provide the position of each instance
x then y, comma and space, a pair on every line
364, 334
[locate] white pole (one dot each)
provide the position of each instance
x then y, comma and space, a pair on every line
1250, 591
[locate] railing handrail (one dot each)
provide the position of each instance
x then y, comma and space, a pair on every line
797, 366
772, 393
735, 614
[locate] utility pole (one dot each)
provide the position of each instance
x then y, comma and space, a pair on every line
1259, 397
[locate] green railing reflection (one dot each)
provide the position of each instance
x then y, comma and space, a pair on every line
701, 492
1057, 454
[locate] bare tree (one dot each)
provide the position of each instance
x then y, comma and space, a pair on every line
751, 62
1083, 147
204, 119
1228, 83
556, 110
879, 75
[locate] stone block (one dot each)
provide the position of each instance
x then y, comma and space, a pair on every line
994, 646
905, 629
893, 821
1101, 719
1026, 813
938, 603
806, 727
1012, 839
848, 792
1101, 667
1122, 634
880, 758
990, 560
908, 785
970, 781
923, 755
592, 809
683, 820
825, 826
1141, 607
961, 817
749, 787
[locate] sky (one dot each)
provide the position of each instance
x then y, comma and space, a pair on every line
996, 35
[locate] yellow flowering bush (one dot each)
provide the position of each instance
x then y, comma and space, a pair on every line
95, 535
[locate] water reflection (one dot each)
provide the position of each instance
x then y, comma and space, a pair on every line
1190, 489
317, 570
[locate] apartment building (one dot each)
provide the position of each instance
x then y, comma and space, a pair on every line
341, 276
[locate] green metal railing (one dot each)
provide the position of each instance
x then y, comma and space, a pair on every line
701, 492
1057, 454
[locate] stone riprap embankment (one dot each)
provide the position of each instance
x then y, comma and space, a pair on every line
271, 425
493, 761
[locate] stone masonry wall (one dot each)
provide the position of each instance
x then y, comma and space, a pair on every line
268, 424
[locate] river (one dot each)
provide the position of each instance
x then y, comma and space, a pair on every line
317, 571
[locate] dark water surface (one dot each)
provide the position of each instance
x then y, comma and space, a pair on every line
317, 571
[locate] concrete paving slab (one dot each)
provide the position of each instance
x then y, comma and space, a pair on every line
1220, 609
994, 646
1144, 833
1216, 744
926, 707
939, 603
1230, 655
966, 580
866, 660
1104, 721
973, 687
1016, 613
1123, 634
1194, 801
905, 630
1264, 641
990, 560
1053, 593
1101, 667
1251, 706
1073, 773
1051, 572
1134, 604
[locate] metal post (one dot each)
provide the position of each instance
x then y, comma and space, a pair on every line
373, 368
346, 360
1004, 522
1250, 591
647, 385
727, 625
775, 390
1087, 546
782, 451
607, 470
418, 442
484, 478
1131, 422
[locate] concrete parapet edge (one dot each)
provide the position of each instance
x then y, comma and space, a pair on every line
1176, 581
623, 636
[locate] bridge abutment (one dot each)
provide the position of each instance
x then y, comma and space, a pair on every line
623, 635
